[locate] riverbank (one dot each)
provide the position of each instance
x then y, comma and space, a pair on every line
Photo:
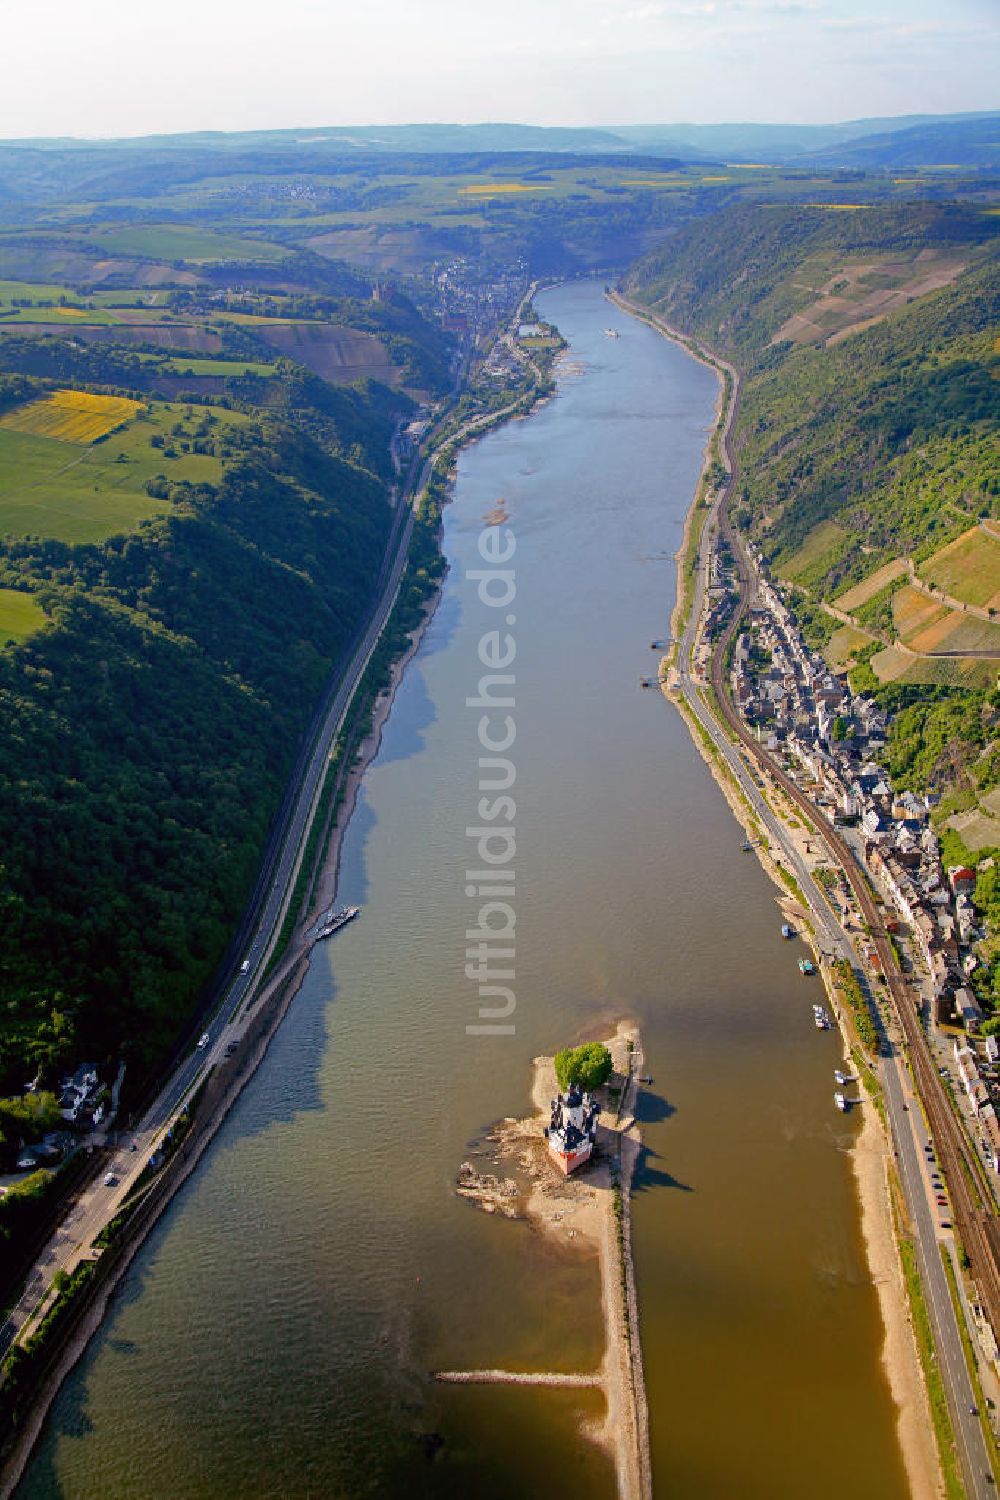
221, 1091
871, 1150
227, 1084
324, 892
699, 511
258, 1024
592, 1211
870, 1156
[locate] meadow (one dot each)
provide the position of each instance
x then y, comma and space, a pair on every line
62, 315
824, 544
20, 616
31, 291
223, 367
73, 493
183, 242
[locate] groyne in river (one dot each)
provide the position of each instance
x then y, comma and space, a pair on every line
278, 1332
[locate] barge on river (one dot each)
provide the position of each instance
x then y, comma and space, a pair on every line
332, 921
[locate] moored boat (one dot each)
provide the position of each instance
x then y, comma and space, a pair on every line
806, 966
333, 920
787, 931
841, 1102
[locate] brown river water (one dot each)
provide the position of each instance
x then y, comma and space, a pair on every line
274, 1337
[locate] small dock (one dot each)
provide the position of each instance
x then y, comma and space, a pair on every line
330, 921
522, 1377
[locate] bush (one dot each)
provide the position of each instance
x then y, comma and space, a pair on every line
589, 1066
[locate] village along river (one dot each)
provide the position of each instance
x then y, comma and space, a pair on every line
275, 1335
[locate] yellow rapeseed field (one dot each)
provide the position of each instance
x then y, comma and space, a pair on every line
481, 189
71, 416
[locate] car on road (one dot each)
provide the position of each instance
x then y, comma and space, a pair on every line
945, 1223
245, 966
110, 1179
203, 1039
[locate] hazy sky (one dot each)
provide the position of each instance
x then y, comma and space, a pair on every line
103, 67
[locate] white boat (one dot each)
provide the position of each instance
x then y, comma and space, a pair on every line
612, 333
841, 1103
843, 1078
822, 1019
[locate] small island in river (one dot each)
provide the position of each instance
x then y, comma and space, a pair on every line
587, 1203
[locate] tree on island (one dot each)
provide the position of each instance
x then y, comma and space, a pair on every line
589, 1066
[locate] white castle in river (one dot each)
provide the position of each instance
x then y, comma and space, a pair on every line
571, 1129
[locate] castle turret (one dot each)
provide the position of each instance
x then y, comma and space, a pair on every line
572, 1128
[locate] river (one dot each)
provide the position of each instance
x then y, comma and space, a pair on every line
274, 1337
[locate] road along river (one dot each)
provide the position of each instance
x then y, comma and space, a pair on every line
275, 1335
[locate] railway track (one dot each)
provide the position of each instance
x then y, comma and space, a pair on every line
975, 1216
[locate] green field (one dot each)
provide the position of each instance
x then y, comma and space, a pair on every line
223, 367
73, 493
51, 291
34, 291
20, 615
824, 544
183, 242
66, 317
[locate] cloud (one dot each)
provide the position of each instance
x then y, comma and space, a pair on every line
894, 26
686, 10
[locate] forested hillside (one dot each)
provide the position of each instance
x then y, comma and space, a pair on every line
870, 462
886, 426
147, 732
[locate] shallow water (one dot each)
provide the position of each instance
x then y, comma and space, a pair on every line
276, 1334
